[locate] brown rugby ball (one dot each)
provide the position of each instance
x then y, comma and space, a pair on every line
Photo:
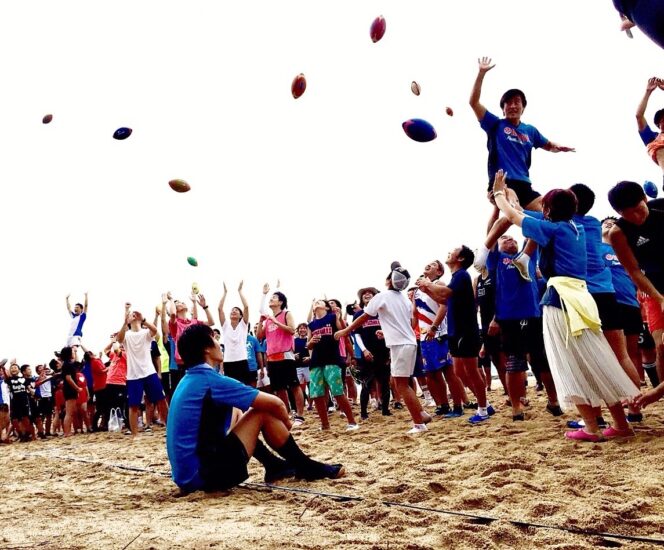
298, 86
449, 111
377, 30
179, 186
47, 119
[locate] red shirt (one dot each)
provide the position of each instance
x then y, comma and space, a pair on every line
82, 383
117, 372
98, 374
176, 328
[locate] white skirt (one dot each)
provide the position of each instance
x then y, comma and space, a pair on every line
584, 368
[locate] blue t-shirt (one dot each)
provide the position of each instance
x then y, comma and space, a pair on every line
170, 349
647, 135
87, 372
562, 251
461, 309
598, 276
252, 348
516, 298
184, 418
623, 285
510, 147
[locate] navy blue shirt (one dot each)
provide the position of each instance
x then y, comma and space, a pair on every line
461, 311
326, 351
516, 298
184, 418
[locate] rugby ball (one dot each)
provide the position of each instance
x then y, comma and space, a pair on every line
651, 189
47, 119
298, 86
419, 130
192, 261
377, 30
122, 133
415, 88
449, 111
179, 186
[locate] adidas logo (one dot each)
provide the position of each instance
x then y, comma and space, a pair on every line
642, 241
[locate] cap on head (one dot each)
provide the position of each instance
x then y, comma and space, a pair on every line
399, 277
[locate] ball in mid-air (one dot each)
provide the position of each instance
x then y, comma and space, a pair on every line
419, 130
378, 27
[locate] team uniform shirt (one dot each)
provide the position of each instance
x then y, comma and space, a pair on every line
252, 348
648, 135
461, 312
516, 298
45, 389
184, 419
394, 311
235, 341
301, 351
326, 351
367, 333
81, 382
279, 342
510, 147
427, 309
562, 251
647, 242
117, 370
76, 326
18, 392
137, 351
176, 328
598, 275
69, 369
623, 285
99, 374
486, 298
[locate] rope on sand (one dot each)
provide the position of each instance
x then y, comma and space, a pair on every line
481, 519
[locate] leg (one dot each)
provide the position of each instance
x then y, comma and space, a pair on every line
70, 410
133, 419
634, 353
321, 408
471, 368
410, 399
456, 386
437, 387
657, 336
162, 408
616, 339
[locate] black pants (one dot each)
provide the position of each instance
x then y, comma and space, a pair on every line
378, 370
116, 398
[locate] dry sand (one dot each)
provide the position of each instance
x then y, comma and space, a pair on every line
524, 471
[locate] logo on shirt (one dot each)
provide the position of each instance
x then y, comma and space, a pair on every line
515, 136
642, 241
323, 331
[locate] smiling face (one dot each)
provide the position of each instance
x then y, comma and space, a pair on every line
14, 370
607, 225
513, 108
302, 331
236, 314
507, 245
274, 301
433, 270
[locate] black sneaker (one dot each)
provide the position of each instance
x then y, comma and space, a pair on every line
398, 405
322, 471
470, 405
286, 470
387, 413
634, 417
518, 417
539, 387
441, 410
364, 416
555, 410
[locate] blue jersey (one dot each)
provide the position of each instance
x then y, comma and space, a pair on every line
516, 298
562, 250
647, 135
623, 285
200, 383
598, 276
461, 308
510, 146
252, 348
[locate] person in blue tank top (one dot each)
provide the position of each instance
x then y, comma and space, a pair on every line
584, 368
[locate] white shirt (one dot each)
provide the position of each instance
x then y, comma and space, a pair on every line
137, 349
395, 312
235, 341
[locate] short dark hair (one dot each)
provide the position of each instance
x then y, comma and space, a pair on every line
350, 308
53, 364
282, 298
216, 331
66, 353
609, 218
585, 198
79, 305
658, 116
193, 342
86, 356
24, 367
336, 302
561, 204
468, 256
239, 310
302, 325
509, 94
626, 194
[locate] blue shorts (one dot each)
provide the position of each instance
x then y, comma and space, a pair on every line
151, 385
419, 366
435, 355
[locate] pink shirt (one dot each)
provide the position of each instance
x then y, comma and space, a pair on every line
176, 329
278, 339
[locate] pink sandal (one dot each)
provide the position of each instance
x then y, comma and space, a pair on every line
583, 435
611, 433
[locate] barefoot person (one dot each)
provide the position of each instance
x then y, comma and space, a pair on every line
206, 449
510, 143
395, 311
584, 368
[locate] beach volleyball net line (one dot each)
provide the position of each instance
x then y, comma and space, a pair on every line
473, 518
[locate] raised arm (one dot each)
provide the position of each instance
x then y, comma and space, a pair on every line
245, 304
220, 307
437, 292
121, 333
643, 104
209, 321
165, 331
85, 303
499, 189
68, 304
484, 66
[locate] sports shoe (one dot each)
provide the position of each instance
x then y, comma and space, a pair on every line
477, 418
583, 435
539, 387
611, 433
386, 413
490, 410
441, 410
364, 416
578, 424
148, 429
522, 268
398, 405
555, 410
418, 428
298, 421
634, 417
430, 402
518, 417
453, 414
352, 427
470, 405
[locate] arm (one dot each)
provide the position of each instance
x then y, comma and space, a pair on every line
484, 66
245, 304
201, 300
350, 328
194, 307
263, 310
511, 213
68, 304
555, 148
643, 104
85, 303
290, 323
493, 218
437, 292
69, 380
121, 333
165, 331
152, 328
220, 307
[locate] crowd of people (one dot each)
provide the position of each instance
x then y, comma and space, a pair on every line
579, 302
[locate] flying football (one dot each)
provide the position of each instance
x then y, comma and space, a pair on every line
419, 130
377, 30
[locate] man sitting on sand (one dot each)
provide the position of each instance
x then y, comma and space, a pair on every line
209, 444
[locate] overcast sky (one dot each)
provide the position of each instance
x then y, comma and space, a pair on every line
322, 192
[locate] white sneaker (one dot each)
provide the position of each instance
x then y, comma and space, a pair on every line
430, 402
352, 427
418, 428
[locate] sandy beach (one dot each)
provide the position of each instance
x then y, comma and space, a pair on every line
70, 493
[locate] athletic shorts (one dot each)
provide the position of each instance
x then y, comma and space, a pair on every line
239, 370
654, 315
151, 385
73, 341
283, 374
19, 409
465, 346
45, 406
630, 317
646, 340
435, 354
252, 377
329, 375
403, 360
303, 375
521, 336
223, 463
492, 347
418, 371
523, 189
609, 313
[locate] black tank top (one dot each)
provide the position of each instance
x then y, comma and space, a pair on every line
486, 298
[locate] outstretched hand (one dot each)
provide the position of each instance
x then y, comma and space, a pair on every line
484, 64
266, 288
653, 83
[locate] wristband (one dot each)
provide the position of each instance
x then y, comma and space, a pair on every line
205, 307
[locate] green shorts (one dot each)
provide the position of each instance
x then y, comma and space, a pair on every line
320, 376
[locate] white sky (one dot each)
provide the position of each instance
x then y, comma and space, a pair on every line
322, 192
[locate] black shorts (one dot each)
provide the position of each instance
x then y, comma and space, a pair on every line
223, 463
521, 336
609, 313
239, 370
283, 374
523, 189
45, 406
630, 316
465, 345
492, 346
19, 409
646, 340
